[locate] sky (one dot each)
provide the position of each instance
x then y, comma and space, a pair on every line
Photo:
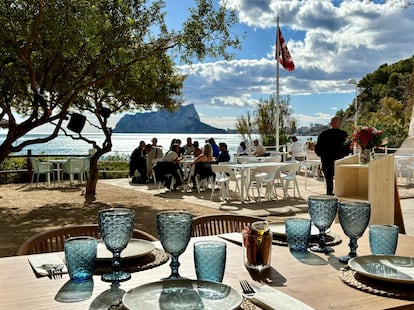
330, 42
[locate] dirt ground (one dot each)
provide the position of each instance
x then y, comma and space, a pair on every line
25, 211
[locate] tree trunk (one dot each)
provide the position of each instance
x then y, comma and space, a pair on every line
5, 149
90, 193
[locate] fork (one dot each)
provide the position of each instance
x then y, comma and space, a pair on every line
247, 288
56, 272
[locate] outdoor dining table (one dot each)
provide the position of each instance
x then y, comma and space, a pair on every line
58, 163
245, 173
312, 278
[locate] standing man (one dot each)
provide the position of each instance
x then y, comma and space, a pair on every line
330, 147
138, 162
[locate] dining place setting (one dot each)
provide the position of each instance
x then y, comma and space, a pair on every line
262, 265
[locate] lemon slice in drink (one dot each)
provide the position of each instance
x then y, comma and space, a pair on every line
260, 227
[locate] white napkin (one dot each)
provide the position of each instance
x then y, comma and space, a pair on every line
39, 263
270, 298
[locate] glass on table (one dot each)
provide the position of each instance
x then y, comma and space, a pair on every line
322, 210
116, 226
174, 231
353, 217
210, 260
80, 256
298, 233
257, 250
383, 239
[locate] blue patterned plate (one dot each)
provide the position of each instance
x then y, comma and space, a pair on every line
182, 294
390, 268
135, 248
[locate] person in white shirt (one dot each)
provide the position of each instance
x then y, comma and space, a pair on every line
242, 149
296, 149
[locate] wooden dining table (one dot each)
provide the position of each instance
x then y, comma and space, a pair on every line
312, 278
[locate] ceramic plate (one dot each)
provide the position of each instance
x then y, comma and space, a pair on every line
135, 248
279, 229
399, 269
182, 294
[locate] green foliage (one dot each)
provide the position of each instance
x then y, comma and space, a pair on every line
263, 121
245, 127
13, 163
58, 57
386, 101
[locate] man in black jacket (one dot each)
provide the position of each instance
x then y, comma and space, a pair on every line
331, 145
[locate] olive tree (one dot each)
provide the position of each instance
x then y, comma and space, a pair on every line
59, 57
264, 123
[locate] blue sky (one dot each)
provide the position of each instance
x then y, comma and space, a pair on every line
330, 42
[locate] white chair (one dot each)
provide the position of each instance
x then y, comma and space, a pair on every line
167, 176
40, 168
203, 174
405, 169
263, 176
154, 163
75, 166
288, 175
277, 182
223, 175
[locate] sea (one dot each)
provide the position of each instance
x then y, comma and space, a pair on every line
124, 143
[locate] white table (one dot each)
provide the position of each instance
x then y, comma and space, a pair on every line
245, 173
58, 163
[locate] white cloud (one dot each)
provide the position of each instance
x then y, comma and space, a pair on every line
330, 41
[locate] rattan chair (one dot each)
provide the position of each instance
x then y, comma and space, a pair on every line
53, 240
207, 225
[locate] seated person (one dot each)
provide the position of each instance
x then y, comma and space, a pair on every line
202, 164
197, 150
242, 149
259, 149
189, 147
310, 145
296, 150
169, 164
153, 152
138, 163
214, 146
181, 150
224, 154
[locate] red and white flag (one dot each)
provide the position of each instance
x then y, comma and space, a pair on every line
283, 55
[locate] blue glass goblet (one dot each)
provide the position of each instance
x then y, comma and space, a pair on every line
174, 231
353, 217
322, 211
116, 226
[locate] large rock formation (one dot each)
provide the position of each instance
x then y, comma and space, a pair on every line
185, 120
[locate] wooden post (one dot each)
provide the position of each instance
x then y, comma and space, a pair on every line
398, 217
29, 166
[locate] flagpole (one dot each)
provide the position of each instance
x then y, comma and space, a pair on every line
277, 85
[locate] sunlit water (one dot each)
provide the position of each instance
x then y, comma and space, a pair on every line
123, 143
